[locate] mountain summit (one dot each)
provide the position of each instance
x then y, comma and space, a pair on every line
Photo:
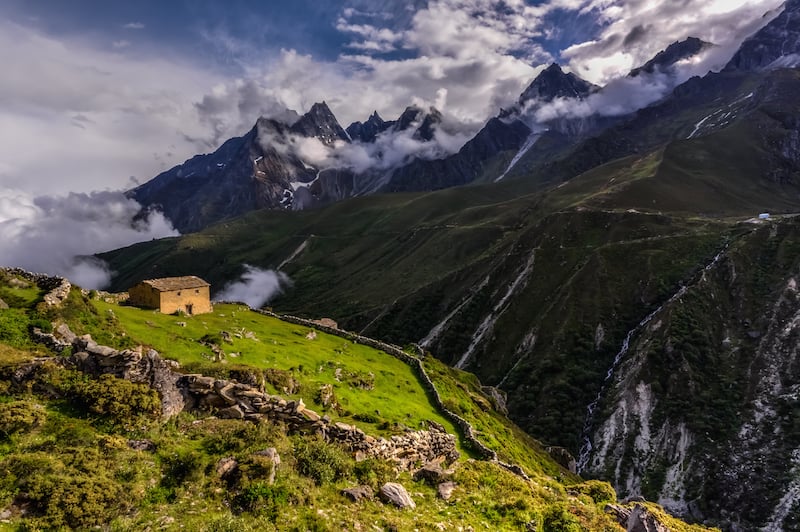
675, 52
554, 83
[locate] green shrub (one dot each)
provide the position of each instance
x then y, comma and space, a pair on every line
19, 416
557, 518
374, 472
262, 498
322, 462
600, 492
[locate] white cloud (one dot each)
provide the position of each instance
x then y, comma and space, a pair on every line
80, 118
635, 30
255, 287
121, 44
53, 234
133, 26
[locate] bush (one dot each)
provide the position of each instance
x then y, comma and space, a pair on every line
322, 462
19, 416
374, 472
58, 496
600, 492
262, 498
557, 518
118, 399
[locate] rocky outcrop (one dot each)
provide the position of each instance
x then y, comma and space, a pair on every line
636, 519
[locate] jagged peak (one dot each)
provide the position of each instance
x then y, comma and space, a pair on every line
676, 51
553, 82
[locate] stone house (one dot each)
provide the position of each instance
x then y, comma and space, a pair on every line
189, 294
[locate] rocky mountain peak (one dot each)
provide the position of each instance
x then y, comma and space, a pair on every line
673, 53
554, 83
321, 123
775, 45
367, 131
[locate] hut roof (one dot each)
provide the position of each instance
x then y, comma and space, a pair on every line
168, 284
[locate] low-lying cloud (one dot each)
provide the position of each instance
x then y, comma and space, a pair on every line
58, 234
255, 287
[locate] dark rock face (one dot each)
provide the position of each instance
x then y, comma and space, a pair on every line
778, 39
251, 172
367, 131
554, 83
675, 52
319, 122
465, 166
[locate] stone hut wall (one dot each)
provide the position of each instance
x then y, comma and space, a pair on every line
197, 299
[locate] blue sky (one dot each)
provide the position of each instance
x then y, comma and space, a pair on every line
114, 92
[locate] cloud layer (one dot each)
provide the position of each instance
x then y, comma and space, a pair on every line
54, 234
89, 114
255, 287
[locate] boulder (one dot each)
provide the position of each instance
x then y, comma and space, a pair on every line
396, 494
274, 459
226, 467
433, 474
358, 493
445, 490
636, 519
232, 412
3, 305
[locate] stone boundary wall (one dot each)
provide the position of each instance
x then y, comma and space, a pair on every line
467, 430
57, 287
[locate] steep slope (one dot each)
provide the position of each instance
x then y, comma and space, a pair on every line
701, 414
85, 447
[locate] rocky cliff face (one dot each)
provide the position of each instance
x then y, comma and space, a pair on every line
774, 46
703, 414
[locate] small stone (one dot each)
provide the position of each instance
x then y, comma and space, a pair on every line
226, 466
396, 494
445, 490
232, 412
358, 493
142, 445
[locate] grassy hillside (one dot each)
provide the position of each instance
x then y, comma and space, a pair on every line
79, 453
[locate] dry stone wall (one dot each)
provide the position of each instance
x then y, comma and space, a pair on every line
467, 430
57, 287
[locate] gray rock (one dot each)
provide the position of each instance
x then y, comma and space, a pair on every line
446, 489
226, 466
433, 474
274, 458
142, 445
358, 493
3, 305
396, 494
636, 519
232, 412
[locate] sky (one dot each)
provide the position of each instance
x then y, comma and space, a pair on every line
97, 96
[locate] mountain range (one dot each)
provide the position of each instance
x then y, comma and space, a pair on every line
606, 268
